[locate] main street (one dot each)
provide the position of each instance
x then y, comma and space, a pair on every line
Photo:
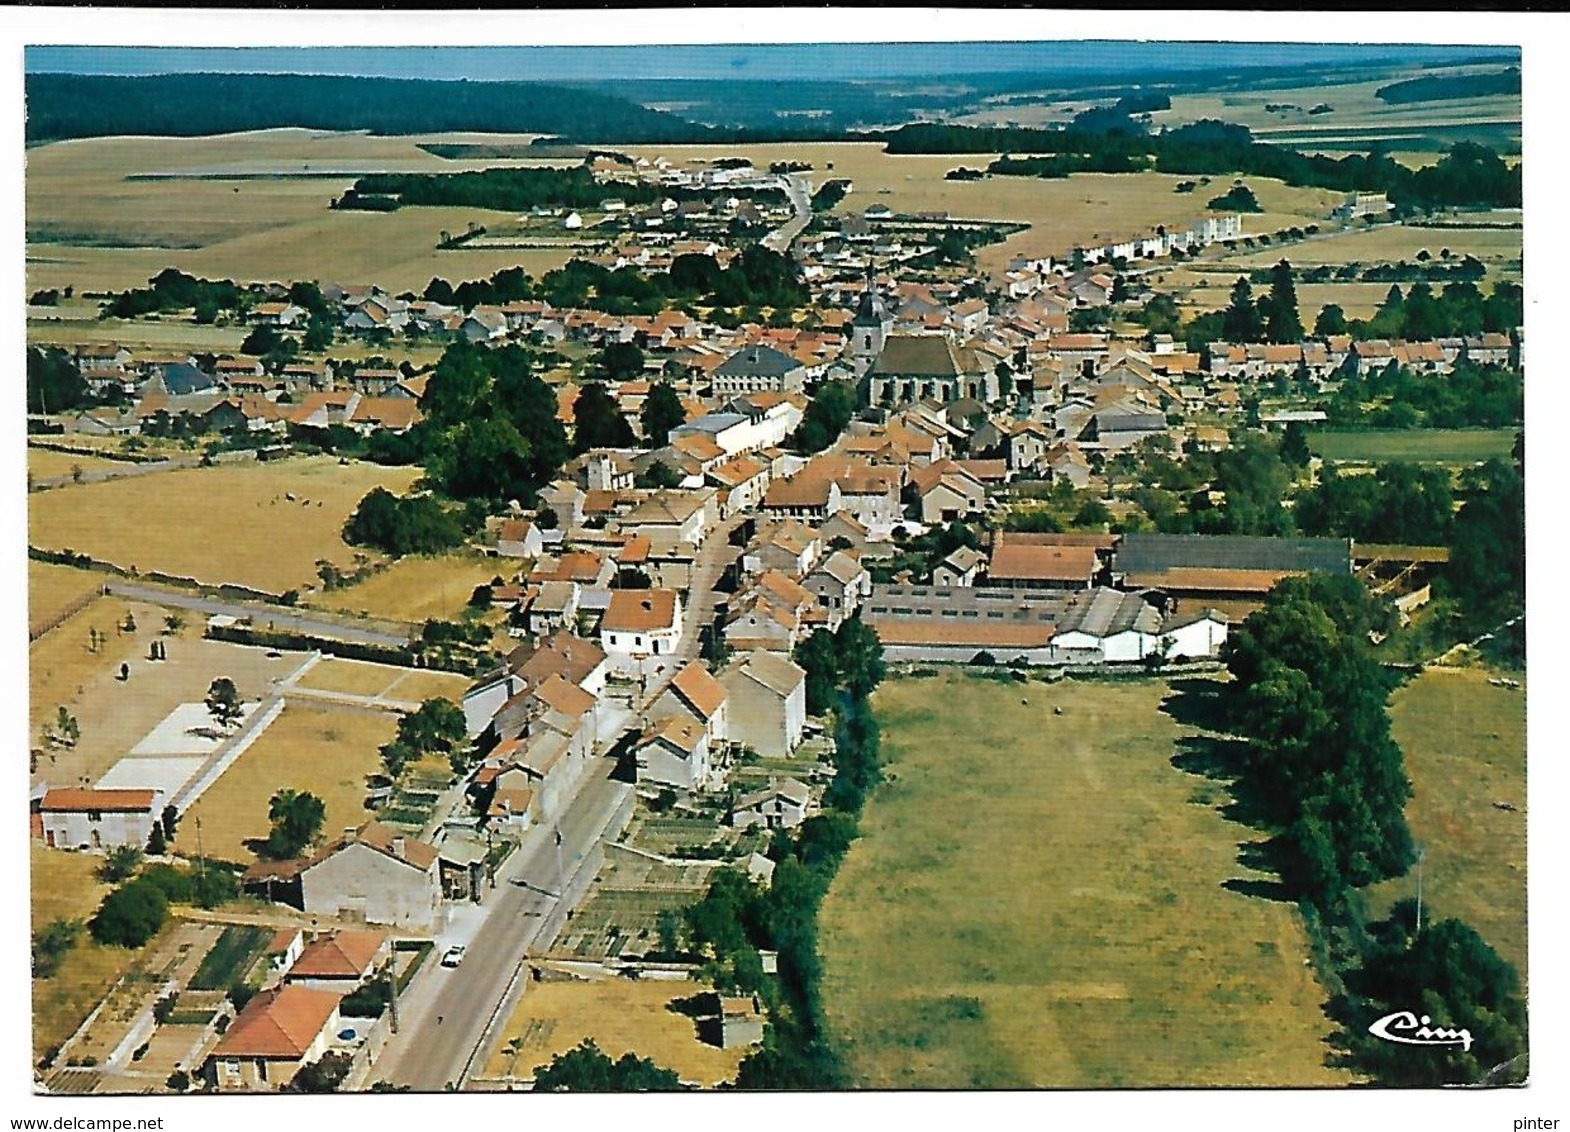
448, 1016
796, 188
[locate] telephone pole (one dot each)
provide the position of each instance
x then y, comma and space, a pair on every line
1419, 890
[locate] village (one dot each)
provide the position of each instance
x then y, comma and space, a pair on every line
631, 711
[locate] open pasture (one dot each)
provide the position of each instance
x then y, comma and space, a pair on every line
418, 587
1042, 900
1464, 741
230, 523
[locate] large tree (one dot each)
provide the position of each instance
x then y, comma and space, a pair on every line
130, 915
1282, 323
662, 411
223, 702
585, 1069
297, 818
831, 410
1240, 320
54, 384
597, 421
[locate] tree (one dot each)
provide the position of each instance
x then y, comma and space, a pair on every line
130, 915
585, 1069
620, 361
323, 1075
54, 384
826, 417
263, 339
597, 421
50, 943
1294, 444
1282, 324
297, 818
157, 843
223, 702
1331, 320
396, 757
1240, 321
662, 411
659, 474
120, 863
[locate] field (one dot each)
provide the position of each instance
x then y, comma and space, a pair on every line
361, 678
64, 888
220, 524
1422, 445
44, 464
244, 206
621, 1016
1465, 746
1041, 900
417, 588
327, 751
1391, 243
1085, 208
60, 665
52, 589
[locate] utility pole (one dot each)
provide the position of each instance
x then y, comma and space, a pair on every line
561, 874
392, 985
1419, 890
199, 856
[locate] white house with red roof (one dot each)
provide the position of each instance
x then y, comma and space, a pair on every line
97, 819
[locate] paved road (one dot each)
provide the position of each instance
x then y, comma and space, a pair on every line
261, 615
448, 1014
796, 188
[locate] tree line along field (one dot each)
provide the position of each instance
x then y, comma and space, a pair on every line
1042, 900
229, 523
1464, 742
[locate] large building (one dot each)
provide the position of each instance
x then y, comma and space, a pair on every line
928, 367
758, 369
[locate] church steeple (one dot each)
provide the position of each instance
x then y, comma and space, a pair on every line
873, 320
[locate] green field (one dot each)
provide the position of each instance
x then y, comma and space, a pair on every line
1046, 900
231, 957
1421, 445
1465, 745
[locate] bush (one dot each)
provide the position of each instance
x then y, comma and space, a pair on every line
131, 915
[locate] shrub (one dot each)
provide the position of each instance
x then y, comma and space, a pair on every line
131, 915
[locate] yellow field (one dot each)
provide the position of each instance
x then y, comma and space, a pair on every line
326, 751
220, 524
90, 227
58, 663
43, 464
417, 588
1046, 901
168, 334
64, 888
422, 686
622, 1016
52, 588
1390, 243
1465, 746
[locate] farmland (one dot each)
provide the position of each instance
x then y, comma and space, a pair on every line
237, 523
44, 464
359, 678
1420, 445
52, 589
1464, 741
1082, 932
238, 206
622, 1016
327, 751
416, 588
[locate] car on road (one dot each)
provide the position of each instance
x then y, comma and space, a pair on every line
454, 955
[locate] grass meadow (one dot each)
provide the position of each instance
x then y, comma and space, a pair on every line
1418, 445
1464, 740
1043, 900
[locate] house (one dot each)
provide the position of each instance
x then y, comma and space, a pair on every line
279, 1032
669, 517
781, 805
1018, 565
758, 369
98, 818
789, 546
396, 415
640, 627
675, 752
961, 568
284, 948
375, 874
1108, 625
947, 492
767, 698
695, 693
551, 606
340, 961
519, 538
741, 483
1028, 442
839, 582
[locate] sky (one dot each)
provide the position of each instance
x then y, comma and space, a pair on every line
763, 62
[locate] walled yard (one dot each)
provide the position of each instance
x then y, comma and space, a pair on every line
1043, 900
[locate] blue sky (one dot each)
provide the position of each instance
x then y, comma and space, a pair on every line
812, 61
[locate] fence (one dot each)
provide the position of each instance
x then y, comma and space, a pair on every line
55, 620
